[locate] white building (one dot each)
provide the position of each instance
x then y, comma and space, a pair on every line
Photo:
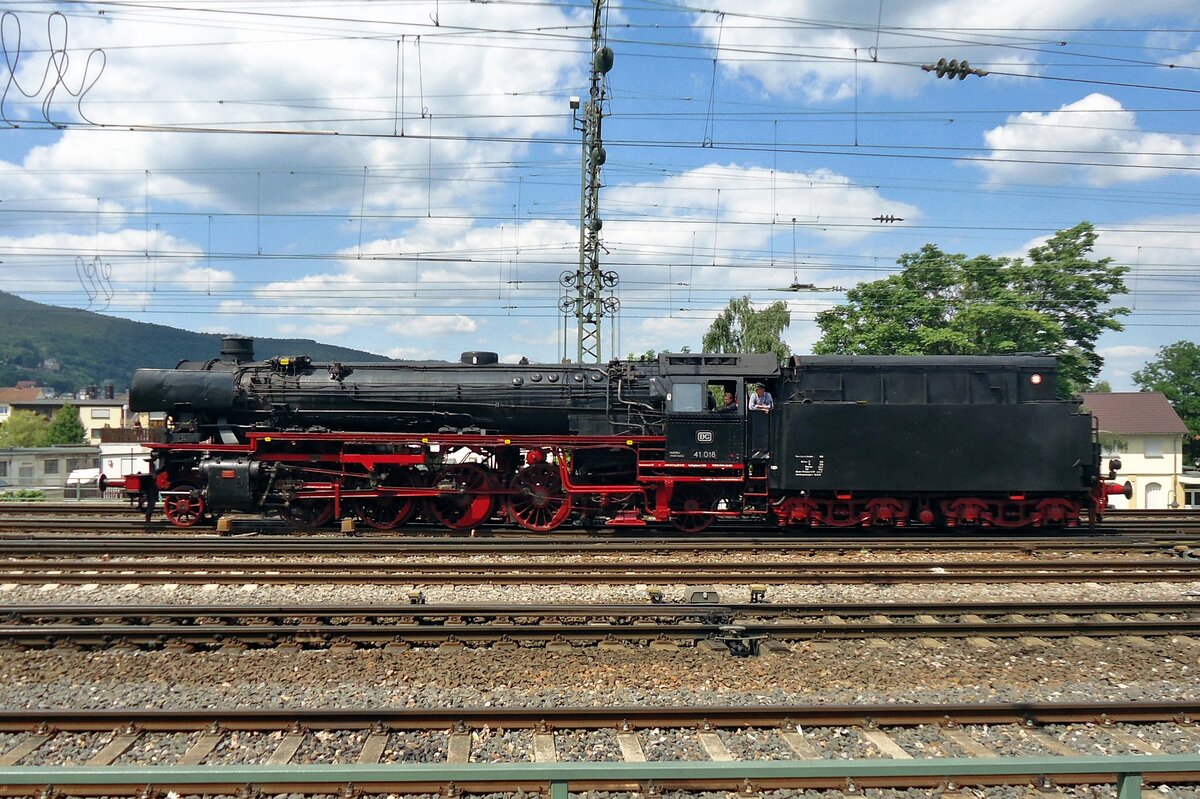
1145, 433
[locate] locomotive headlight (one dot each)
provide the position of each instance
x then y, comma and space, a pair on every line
1035, 379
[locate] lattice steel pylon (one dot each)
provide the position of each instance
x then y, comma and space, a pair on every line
589, 304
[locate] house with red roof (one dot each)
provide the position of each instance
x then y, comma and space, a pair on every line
1142, 430
10, 396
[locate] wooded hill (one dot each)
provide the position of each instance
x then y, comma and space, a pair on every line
91, 348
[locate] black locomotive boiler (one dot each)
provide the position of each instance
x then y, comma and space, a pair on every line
961, 441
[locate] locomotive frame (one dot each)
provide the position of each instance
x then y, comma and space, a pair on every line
970, 442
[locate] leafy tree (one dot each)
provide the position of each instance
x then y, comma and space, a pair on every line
64, 428
948, 304
1061, 282
1102, 387
1176, 373
22, 429
740, 328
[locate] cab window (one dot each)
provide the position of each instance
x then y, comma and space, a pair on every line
687, 398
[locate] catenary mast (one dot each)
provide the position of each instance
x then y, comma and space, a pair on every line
589, 305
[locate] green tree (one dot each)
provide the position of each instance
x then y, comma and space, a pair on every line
65, 428
1176, 373
22, 429
948, 304
740, 328
1103, 387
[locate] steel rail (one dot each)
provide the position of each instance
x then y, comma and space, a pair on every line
606, 572
735, 624
104, 635
586, 718
12, 546
416, 612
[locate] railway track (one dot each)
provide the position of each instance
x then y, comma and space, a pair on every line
887, 746
79, 517
739, 628
619, 572
225, 546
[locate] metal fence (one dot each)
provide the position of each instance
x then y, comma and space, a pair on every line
1127, 772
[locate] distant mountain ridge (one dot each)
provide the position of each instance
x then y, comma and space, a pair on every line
88, 347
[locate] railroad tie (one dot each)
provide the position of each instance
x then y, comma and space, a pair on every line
543, 748
23, 749
885, 744
797, 743
963, 740
287, 749
201, 749
714, 746
1132, 741
1192, 733
115, 748
1053, 744
458, 749
372, 750
631, 747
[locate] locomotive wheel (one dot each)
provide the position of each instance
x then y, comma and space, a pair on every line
388, 513
688, 506
308, 513
385, 513
468, 500
538, 502
184, 510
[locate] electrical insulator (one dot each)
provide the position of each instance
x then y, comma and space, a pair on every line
602, 60
953, 68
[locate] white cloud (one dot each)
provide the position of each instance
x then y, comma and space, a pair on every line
434, 325
1083, 142
413, 353
313, 331
209, 71
1127, 352
125, 264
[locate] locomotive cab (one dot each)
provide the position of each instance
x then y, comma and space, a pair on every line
698, 430
700, 427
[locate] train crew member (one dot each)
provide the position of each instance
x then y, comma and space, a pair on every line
761, 399
728, 404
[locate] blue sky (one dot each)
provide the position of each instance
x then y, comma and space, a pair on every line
404, 177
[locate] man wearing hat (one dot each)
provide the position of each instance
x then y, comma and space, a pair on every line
760, 400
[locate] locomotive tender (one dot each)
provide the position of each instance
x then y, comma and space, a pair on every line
959, 441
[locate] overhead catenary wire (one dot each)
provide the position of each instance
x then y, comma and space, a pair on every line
623, 211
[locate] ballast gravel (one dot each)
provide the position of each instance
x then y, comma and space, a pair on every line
69, 749
590, 747
756, 744
245, 748
659, 745
501, 746
331, 746
415, 747
390, 596
157, 749
842, 672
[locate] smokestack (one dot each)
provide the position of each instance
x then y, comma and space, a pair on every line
237, 349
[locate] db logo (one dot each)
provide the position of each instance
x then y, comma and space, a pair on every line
704, 436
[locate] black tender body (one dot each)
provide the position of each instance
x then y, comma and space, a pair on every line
962, 424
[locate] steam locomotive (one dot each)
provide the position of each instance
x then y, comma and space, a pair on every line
856, 441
